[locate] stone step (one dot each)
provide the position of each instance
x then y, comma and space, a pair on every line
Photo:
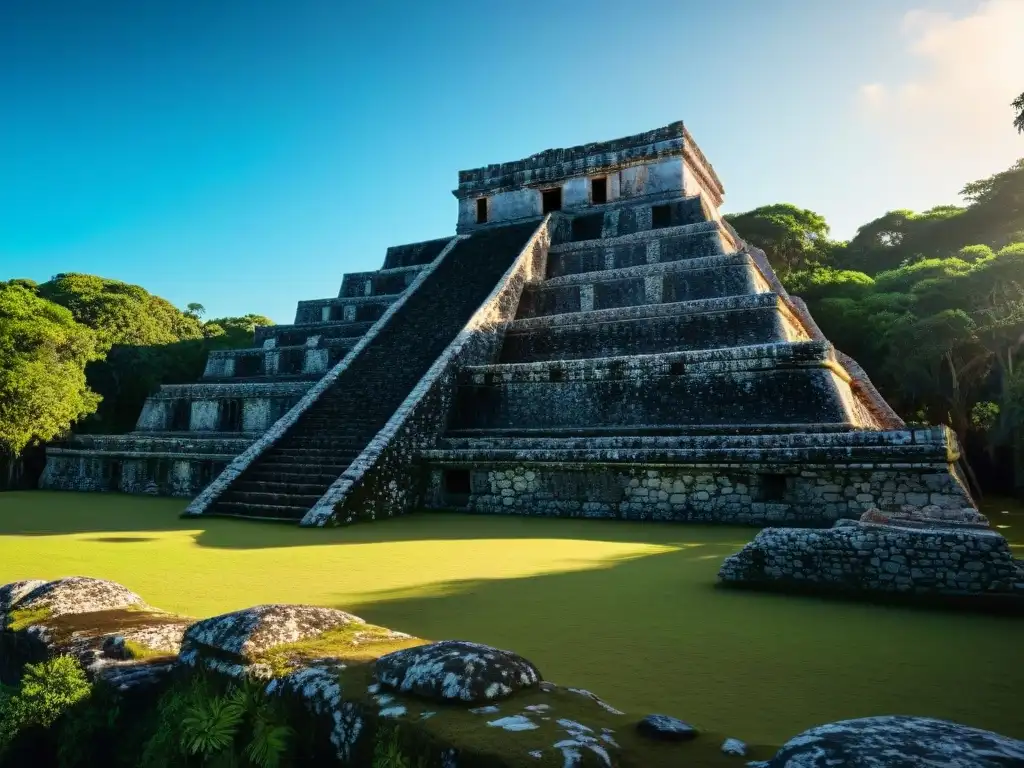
278, 512
310, 476
765, 385
662, 436
296, 333
270, 499
351, 309
707, 278
905, 457
284, 488
657, 246
317, 455
282, 465
646, 335
780, 355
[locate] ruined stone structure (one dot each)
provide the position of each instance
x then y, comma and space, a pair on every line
594, 341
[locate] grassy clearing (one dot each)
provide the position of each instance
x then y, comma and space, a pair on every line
627, 610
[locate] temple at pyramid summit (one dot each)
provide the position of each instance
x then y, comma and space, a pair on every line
594, 341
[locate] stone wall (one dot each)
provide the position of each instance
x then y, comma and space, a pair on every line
157, 475
386, 479
751, 494
940, 558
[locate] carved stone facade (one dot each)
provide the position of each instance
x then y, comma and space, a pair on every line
595, 341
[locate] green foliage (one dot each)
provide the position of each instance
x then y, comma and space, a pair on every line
792, 238
1018, 120
210, 725
984, 415
121, 313
47, 690
43, 354
387, 750
199, 724
821, 282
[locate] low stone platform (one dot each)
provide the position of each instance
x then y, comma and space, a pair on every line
913, 554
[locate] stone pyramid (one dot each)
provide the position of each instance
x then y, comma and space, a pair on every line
595, 341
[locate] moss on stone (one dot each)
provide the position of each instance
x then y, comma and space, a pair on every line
18, 620
428, 728
351, 644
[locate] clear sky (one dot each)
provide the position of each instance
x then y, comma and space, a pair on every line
245, 154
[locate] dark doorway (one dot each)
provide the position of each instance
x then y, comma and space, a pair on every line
481, 210
773, 487
456, 481
249, 365
114, 476
231, 415
661, 216
599, 190
181, 415
551, 199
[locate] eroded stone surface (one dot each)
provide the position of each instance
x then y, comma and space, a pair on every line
865, 556
666, 728
247, 633
734, 747
456, 670
908, 742
78, 594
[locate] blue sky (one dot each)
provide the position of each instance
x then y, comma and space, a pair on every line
246, 154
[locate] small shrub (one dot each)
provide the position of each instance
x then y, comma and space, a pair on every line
46, 692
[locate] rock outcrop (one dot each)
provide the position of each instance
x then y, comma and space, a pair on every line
107, 627
907, 742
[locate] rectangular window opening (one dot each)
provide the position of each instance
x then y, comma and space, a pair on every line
551, 200
556, 374
773, 487
599, 190
481, 210
456, 481
661, 216
678, 368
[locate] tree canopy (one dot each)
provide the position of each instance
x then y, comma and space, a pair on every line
43, 354
1018, 121
792, 238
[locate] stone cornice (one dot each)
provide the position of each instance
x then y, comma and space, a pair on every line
556, 164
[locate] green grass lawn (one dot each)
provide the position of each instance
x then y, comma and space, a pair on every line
627, 610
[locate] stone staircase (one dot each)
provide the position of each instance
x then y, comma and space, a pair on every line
288, 478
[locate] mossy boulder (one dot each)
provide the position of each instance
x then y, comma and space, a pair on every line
268, 640
456, 671
101, 623
909, 742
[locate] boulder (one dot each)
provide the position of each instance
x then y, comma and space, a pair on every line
101, 623
72, 595
456, 670
898, 741
864, 557
265, 639
665, 728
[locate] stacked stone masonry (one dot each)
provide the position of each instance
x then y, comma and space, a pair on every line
617, 351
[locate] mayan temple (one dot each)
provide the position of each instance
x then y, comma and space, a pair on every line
595, 341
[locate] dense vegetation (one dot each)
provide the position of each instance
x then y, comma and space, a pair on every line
931, 304
85, 351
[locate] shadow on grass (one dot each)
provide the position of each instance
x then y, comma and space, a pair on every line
653, 633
